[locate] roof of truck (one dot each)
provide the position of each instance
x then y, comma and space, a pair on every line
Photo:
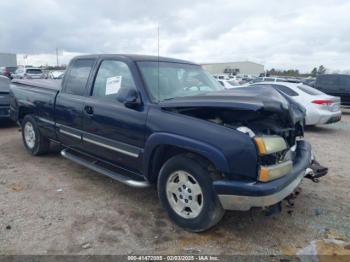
136, 58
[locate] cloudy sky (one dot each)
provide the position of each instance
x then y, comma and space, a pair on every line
279, 34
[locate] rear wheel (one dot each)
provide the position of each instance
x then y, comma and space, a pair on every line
33, 140
186, 193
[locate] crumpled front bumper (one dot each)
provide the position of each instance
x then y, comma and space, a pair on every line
243, 195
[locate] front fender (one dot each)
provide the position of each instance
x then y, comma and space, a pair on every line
208, 151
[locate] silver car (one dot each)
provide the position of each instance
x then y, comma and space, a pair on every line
28, 73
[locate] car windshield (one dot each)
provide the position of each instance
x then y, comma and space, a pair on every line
166, 80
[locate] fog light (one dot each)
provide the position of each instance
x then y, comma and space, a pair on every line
270, 144
268, 173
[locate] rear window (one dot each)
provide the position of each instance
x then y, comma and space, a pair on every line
34, 71
233, 83
286, 90
309, 90
78, 76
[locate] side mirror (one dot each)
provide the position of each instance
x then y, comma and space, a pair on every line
129, 98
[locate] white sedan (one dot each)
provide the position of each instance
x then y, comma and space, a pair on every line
229, 84
320, 108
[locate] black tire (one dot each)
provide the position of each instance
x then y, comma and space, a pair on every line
211, 212
41, 144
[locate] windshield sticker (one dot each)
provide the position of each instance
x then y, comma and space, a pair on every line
113, 85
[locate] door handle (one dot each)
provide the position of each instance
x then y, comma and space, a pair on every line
89, 110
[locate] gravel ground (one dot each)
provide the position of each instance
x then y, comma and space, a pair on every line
49, 205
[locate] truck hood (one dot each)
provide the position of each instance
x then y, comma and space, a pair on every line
246, 98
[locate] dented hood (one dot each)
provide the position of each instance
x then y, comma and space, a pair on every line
246, 98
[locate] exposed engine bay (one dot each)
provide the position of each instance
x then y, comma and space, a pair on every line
251, 122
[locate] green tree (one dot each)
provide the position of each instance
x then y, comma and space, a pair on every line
321, 70
314, 72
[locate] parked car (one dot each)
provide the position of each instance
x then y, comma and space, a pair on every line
310, 81
335, 85
7, 71
4, 97
320, 108
274, 79
228, 84
57, 74
146, 120
221, 76
29, 73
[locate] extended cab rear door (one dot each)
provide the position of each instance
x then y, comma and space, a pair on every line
70, 102
113, 131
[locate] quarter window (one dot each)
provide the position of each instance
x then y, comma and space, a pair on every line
78, 76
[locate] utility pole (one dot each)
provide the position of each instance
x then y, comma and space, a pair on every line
57, 56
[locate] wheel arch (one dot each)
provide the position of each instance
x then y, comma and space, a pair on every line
162, 146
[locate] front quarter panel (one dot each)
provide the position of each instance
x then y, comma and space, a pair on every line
231, 151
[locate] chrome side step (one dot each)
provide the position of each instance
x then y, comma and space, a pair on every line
94, 165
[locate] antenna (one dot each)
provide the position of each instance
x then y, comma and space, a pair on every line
158, 63
57, 56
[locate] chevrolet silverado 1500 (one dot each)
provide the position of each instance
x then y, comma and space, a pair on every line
4, 97
146, 120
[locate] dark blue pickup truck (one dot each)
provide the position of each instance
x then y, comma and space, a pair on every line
4, 98
146, 120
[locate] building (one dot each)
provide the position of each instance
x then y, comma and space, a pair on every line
235, 68
9, 60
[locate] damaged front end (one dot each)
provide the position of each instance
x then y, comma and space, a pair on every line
275, 124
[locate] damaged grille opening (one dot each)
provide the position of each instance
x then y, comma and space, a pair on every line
261, 122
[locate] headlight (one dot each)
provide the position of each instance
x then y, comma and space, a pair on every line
270, 144
268, 173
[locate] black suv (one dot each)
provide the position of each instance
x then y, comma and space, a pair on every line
335, 85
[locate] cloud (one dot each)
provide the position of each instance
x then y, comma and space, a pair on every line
279, 34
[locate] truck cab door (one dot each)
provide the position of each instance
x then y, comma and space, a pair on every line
114, 126
70, 103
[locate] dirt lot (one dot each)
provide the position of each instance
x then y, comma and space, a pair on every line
49, 205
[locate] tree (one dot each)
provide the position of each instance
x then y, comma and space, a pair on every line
321, 70
314, 72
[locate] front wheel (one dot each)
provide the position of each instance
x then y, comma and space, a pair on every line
33, 140
186, 193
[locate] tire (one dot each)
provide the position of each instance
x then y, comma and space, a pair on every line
35, 143
180, 171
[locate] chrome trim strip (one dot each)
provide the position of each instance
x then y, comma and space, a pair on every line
244, 203
110, 147
70, 134
46, 121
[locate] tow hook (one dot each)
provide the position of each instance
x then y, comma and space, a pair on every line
315, 171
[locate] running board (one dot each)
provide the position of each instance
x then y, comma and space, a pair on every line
94, 165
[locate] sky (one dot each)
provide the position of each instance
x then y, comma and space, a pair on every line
279, 34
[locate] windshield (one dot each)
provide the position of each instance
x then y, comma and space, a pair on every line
176, 80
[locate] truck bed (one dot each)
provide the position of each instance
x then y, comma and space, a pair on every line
40, 83
37, 96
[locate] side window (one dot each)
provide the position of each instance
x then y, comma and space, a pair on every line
286, 90
78, 76
113, 78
